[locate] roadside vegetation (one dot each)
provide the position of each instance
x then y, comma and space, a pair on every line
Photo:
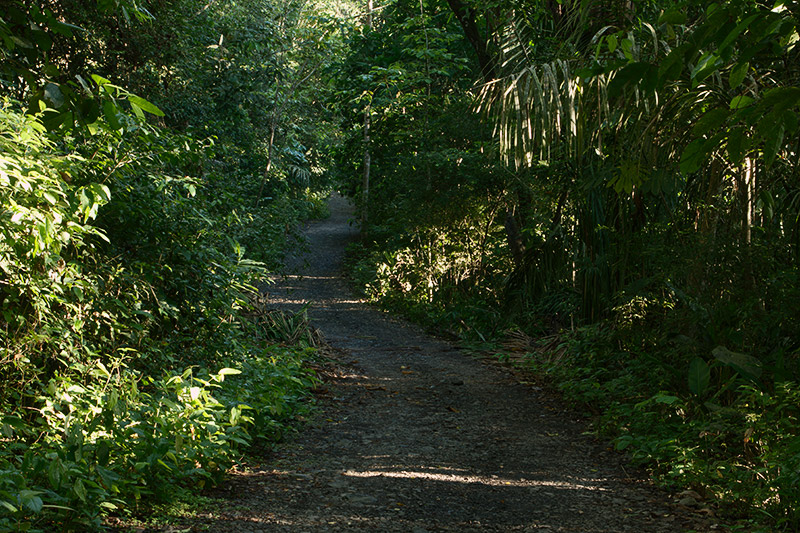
155, 159
604, 192
607, 194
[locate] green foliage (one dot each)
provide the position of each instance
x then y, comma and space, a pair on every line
695, 412
135, 225
106, 437
638, 203
104, 287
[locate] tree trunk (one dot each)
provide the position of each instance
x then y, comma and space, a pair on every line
365, 177
367, 156
514, 239
748, 191
270, 150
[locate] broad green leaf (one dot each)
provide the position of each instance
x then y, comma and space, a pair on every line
746, 365
666, 399
710, 121
612, 43
89, 110
99, 80
43, 40
781, 98
672, 65
627, 48
736, 32
80, 490
22, 43
707, 64
110, 111
699, 376
738, 74
229, 372
144, 105
53, 95
137, 111
773, 144
741, 101
64, 28
49, 197
673, 16
102, 194
34, 503
693, 156
737, 145
629, 74
620, 443
51, 71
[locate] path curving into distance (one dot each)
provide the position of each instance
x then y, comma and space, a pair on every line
415, 436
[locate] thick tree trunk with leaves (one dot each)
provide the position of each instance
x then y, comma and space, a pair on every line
466, 17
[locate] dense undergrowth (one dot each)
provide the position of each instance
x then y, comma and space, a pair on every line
134, 363
699, 385
630, 236
136, 359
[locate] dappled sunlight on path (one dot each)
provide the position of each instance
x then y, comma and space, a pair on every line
415, 436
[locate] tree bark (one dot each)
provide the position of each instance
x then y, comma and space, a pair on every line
514, 239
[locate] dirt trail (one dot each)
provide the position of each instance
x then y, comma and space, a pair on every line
419, 437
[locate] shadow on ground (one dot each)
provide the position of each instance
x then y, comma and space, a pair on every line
413, 436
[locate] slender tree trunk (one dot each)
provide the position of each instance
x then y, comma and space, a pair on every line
747, 194
270, 151
365, 177
367, 156
746, 190
514, 239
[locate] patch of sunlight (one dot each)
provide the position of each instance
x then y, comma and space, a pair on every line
471, 479
296, 276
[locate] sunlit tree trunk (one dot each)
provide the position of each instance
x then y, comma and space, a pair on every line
746, 189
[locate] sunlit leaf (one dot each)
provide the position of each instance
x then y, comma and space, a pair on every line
741, 101
143, 104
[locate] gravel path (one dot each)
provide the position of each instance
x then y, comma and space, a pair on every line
414, 436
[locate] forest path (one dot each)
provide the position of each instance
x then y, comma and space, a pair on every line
415, 436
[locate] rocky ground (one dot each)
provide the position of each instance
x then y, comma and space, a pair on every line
413, 435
